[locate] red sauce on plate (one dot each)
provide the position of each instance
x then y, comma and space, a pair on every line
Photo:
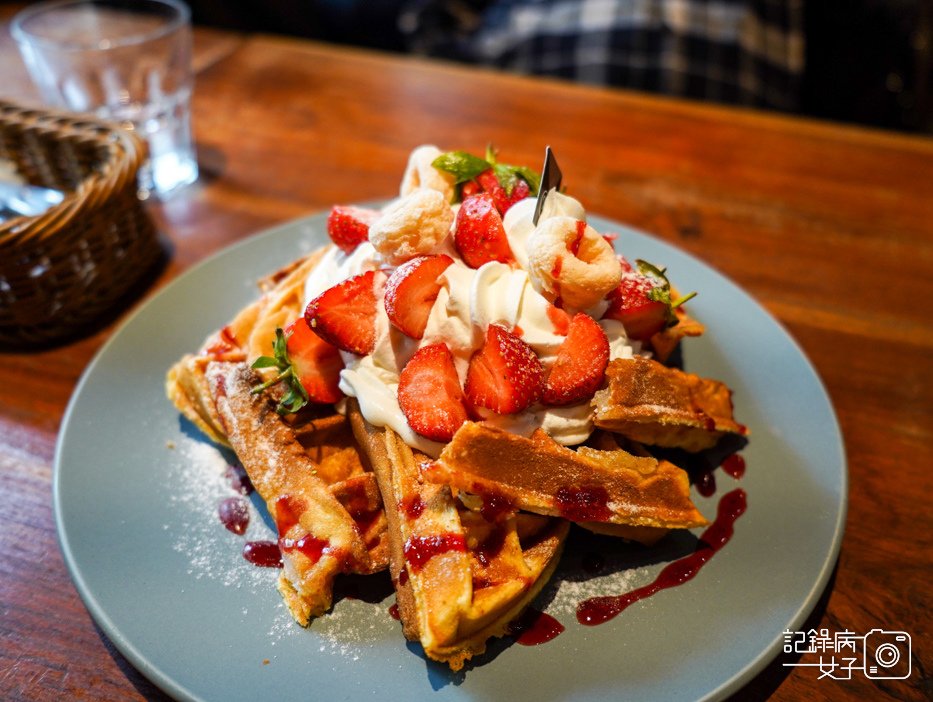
238, 479
597, 610
234, 514
734, 465
534, 627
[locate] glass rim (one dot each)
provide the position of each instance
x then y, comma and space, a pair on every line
181, 17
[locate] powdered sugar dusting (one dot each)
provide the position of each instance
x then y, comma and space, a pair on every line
571, 585
212, 551
352, 629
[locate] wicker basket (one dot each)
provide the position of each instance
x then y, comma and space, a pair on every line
63, 269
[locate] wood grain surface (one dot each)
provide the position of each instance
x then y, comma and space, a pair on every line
829, 227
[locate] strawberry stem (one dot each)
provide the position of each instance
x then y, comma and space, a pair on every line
255, 390
681, 300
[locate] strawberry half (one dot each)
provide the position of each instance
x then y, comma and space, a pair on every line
488, 182
630, 304
505, 374
429, 393
348, 226
581, 363
503, 200
643, 300
478, 232
411, 291
345, 315
316, 363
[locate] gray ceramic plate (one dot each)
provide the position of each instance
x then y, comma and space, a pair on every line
136, 494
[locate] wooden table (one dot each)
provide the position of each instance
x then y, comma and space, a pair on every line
829, 227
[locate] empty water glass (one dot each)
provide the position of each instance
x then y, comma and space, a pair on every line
124, 60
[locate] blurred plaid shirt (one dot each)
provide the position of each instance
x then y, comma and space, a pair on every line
748, 52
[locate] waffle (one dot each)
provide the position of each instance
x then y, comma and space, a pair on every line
460, 578
665, 342
650, 403
584, 485
328, 514
248, 336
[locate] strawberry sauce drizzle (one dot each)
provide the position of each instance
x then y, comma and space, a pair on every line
421, 549
234, 514
287, 512
412, 506
706, 484
263, 553
490, 547
227, 343
534, 627
238, 479
559, 319
734, 465
584, 503
574, 246
558, 266
496, 506
598, 610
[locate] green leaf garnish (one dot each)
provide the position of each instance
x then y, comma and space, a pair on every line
462, 165
295, 396
465, 167
662, 291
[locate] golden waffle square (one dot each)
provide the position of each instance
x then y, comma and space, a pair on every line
650, 403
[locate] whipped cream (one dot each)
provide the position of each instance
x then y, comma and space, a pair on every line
468, 302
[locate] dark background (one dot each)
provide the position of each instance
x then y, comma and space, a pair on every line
867, 61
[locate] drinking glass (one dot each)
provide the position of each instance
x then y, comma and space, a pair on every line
127, 61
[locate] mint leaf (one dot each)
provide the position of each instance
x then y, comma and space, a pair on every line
295, 396
506, 177
462, 165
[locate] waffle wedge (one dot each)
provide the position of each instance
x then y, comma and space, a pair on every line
648, 402
460, 578
586, 485
324, 528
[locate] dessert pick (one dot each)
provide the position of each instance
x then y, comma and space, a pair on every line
550, 179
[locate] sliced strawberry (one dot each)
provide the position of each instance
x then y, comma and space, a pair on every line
503, 200
411, 291
345, 315
630, 304
581, 363
478, 232
489, 183
505, 374
519, 192
429, 393
316, 363
471, 187
348, 226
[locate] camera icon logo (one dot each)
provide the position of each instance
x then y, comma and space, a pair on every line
886, 655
